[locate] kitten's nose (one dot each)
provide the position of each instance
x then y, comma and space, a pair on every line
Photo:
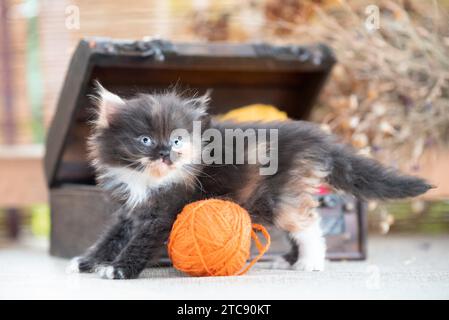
165, 156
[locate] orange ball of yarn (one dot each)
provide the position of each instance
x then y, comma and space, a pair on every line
213, 238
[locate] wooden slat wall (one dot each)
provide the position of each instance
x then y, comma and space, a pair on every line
56, 49
119, 19
17, 26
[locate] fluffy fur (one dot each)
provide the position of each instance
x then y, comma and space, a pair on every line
153, 189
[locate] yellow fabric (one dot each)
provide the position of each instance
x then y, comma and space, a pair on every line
254, 112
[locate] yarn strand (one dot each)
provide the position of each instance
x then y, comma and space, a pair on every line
262, 248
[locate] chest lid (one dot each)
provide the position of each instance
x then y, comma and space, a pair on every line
289, 77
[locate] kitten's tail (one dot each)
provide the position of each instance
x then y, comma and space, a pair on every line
367, 178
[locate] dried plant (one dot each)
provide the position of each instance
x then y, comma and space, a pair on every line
389, 92
211, 27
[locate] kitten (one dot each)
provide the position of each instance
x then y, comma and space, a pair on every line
153, 173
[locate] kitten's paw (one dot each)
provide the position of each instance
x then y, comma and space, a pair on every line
280, 263
312, 263
110, 272
80, 264
73, 266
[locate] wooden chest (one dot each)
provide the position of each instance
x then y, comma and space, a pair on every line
289, 77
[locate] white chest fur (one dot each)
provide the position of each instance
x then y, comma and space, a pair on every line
133, 186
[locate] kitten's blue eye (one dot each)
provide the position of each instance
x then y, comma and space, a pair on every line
145, 140
177, 143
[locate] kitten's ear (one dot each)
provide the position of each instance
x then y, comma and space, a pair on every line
201, 103
108, 104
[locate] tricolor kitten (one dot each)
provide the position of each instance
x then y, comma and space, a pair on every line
153, 174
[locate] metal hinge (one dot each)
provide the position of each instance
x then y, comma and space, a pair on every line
155, 48
316, 54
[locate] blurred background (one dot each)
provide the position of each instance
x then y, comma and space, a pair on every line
388, 95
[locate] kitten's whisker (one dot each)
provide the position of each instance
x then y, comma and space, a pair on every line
199, 172
196, 181
135, 165
200, 185
132, 163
